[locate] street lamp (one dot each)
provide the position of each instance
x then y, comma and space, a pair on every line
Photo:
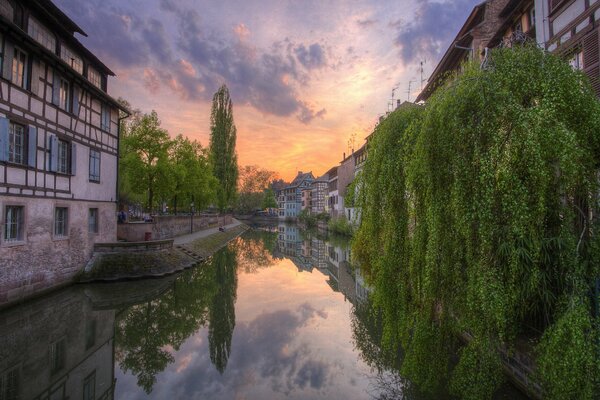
192, 209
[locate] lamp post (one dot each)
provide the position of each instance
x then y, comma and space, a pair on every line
192, 217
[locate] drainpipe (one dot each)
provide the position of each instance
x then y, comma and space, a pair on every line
127, 115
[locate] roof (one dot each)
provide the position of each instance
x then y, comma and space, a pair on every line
53, 12
453, 55
301, 177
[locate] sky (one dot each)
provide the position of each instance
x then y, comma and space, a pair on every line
308, 78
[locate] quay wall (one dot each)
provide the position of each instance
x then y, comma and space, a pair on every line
169, 226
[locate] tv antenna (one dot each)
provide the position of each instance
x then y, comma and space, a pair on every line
423, 62
409, 88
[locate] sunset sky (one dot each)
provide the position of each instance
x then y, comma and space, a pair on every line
305, 76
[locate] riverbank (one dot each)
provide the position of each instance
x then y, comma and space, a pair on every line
127, 262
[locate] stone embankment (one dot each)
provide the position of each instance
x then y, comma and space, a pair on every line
132, 260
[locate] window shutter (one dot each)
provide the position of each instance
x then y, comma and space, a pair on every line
32, 146
76, 92
9, 52
53, 159
4, 139
73, 158
591, 59
56, 90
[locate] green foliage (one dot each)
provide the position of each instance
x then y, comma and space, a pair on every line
269, 200
254, 189
307, 218
222, 148
145, 158
340, 225
475, 217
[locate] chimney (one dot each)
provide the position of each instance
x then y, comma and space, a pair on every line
299, 173
343, 158
397, 103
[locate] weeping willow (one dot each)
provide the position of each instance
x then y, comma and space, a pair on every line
478, 220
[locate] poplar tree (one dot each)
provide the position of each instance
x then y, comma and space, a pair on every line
222, 147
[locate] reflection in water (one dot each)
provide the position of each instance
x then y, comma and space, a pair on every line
222, 306
57, 347
277, 313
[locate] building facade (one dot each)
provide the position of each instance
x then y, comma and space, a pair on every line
333, 198
59, 135
290, 197
320, 191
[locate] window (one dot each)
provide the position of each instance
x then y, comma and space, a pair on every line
531, 17
94, 77
94, 165
9, 385
19, 68
89, 387
57, 356
16, 143
71, 58
6, 10
93, 220
61, 221
64, 94
576, 60
41, 35
63, 166
13, 223
105, 123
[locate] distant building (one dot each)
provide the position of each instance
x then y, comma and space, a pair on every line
290, 197
333, 201
345, 178
306, 199
319, 193
59, 135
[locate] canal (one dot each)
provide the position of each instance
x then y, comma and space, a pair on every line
278, 313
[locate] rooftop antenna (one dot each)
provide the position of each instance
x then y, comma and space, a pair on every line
421, 70
409, 86
393, 93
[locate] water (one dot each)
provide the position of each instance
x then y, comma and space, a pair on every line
277, 314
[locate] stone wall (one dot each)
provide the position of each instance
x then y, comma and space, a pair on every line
169, 226
42, 261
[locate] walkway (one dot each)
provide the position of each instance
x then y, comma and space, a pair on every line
190, 237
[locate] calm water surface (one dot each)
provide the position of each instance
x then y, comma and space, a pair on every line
279, 313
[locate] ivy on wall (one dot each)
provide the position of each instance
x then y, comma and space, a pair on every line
478, 219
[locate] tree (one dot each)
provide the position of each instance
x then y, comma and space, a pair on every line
269, 200
192, 174
253, 182
146, 157
222, 148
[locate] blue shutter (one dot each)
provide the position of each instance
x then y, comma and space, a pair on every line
56, 90
53, 159
9, 53
4, 123
73, 158
32, 146
76, 92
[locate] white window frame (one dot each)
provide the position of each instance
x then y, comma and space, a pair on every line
19, 68
14, 223
63, 157
94, 77
64, 94
17, 144
41, 34
576, 60
93, 226
61, 222
95, 163
72, 59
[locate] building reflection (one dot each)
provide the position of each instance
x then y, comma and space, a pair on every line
332, 256
57, 347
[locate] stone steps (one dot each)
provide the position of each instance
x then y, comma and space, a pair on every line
190, 253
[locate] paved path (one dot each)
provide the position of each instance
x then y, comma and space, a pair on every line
179, 240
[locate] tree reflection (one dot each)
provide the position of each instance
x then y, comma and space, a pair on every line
255, 250
145, 332
222, 306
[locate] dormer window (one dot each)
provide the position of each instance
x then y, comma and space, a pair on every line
6, 10
71, 58
41, 35
94, 77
